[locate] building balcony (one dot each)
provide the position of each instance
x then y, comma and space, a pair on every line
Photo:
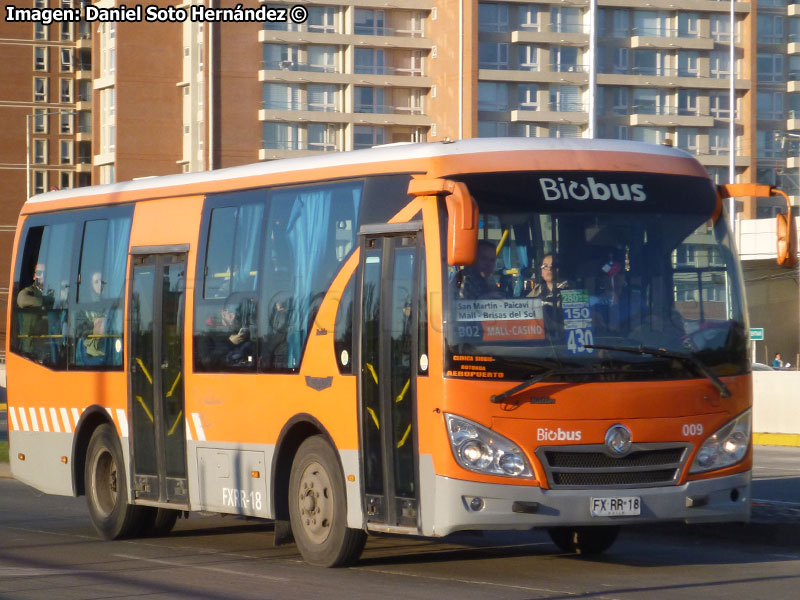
562, 38
793, 162
668, 39
275, 149
528, 76
84, 41
83, 134
793, 9
668, 78
668, 116
372, 115
562, 113
793, 122
721, 158
84, 104
794, 44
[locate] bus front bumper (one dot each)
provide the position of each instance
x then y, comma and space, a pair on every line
721, 499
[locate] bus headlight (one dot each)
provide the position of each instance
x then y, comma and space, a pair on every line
482, 450
726, 447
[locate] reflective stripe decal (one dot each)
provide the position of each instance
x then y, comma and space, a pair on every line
12, 412
34, 420
24, 418
45, 425
54, 420
198, 426
76, 416
122, 417
65, 420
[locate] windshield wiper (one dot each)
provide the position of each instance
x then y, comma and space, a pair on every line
688, 360
550, 372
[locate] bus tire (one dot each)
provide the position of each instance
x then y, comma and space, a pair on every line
584, 540
107, 488
158, 522
318, 507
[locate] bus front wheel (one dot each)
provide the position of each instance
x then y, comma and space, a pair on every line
584, 540
106, 487
318, 507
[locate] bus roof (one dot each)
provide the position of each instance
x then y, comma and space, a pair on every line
391, 155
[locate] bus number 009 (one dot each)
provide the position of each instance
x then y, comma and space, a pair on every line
694, 429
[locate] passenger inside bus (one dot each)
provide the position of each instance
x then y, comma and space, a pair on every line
33, 319
227, 341
90, 328
475, 281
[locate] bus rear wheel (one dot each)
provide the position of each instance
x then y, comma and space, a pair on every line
107, 489
318, 507
584, 540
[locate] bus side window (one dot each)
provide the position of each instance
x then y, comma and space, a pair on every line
96, 323
225, 329
311, 232
40, 302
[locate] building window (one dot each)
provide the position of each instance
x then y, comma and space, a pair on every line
40, 89
687, 63
529, 17
39, 31
39, 152
492, 96
321, 98
688, 25
371, 61
687, 139
322, 137
65, 123
281, 136
768, 143
719, 141
66, 31
687, 102
620, 95
369, 100
565, 131
282, 96
720, 105
366, 137
322, 19
648, 101
648, 62
65, 180
322, 59
769, 105
370, 22
492, 55
39, 58
527, 96
770, 67
493, 128
39, 120
770, 28
39, 182
721, 28
566, 19
620, 60
566, 98
493, 17
651, 135
66, 60
621, 26
66, 152
650, 23
106, 174
564, 59
66, 90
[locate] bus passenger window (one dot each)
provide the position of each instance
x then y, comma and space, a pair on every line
97, 320
225, 330
41, 288
311, 232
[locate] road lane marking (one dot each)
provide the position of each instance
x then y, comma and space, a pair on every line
171, 563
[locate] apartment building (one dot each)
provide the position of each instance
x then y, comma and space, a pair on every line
41, 74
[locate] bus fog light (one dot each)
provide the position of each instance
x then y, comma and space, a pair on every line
726, 447
480, 449
476, 504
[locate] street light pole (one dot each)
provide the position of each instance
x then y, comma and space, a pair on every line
732, 125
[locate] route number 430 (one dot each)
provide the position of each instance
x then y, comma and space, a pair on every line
577, 339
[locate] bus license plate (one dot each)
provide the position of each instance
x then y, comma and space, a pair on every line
620, 506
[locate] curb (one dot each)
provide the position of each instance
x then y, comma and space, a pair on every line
776, 439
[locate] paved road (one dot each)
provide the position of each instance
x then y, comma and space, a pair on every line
48, 551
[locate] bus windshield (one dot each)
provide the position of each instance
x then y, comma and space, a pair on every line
572, 259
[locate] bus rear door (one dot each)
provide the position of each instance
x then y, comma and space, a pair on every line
388, 324
156, 400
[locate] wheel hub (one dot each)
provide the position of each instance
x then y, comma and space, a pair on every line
316, 502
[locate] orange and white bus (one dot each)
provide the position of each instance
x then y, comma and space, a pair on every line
416, 339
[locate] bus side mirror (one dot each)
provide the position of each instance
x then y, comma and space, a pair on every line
462, 217
786, 233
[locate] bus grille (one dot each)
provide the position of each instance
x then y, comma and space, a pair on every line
592, 467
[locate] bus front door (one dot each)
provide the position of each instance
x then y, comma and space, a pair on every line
158, 436
390, 277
